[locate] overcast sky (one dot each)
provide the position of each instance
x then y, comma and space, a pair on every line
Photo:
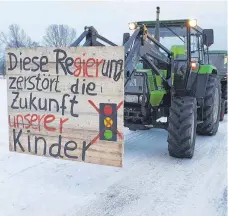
111, 18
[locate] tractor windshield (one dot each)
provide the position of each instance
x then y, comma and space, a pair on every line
219, 60
171, 37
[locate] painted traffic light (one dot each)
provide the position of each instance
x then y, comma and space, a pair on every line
108, 121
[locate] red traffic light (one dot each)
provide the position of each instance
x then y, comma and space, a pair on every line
107, 110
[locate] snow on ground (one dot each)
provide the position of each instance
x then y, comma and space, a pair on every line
151, 183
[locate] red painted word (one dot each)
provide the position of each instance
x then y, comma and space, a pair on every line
36, 122
82, 66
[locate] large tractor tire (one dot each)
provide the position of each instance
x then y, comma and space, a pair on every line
212, 108
224, 95
182, 127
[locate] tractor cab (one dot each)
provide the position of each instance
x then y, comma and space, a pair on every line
173, 35
185, 39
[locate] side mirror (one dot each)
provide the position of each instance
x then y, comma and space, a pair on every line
208, 37
126, 37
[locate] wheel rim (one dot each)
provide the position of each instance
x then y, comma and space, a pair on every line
216, 106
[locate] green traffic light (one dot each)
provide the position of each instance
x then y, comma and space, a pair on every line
108, 134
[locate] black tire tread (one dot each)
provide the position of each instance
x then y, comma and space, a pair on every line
180, 120
224, 94
222, 110
207, 127
224, 91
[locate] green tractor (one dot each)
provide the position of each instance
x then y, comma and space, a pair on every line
174, 79
218, 58
167, 74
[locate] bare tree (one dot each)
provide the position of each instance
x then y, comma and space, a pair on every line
16, 37
59, 35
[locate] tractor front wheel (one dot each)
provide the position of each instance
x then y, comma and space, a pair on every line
212, 108
182, 127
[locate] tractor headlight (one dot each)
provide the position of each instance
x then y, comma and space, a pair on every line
192, 23
131, 98
132, 26
141, 99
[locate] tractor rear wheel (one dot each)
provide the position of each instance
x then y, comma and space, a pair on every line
222, 112
212, 108
182, 127
224, 95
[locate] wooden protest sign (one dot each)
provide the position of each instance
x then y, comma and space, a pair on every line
67, 103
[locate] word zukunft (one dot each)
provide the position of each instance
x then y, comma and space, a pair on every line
45, 104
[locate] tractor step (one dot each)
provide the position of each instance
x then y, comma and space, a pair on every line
135, 127
162, 125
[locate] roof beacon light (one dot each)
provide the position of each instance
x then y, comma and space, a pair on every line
132, 26
192, 23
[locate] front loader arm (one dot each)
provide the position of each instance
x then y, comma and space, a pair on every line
91, 35
142, 45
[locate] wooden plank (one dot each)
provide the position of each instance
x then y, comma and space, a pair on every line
66, 60
51, 84
74, 71
63, 104
86, 121
32, 101
64, 147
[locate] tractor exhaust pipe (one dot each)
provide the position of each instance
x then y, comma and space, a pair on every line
157, 27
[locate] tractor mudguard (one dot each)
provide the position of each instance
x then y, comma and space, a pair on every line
202, 78
201, 83
207, 69
197, 81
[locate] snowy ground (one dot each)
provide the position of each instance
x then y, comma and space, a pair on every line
150, 184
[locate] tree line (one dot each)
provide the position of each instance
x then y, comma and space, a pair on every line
15, 37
